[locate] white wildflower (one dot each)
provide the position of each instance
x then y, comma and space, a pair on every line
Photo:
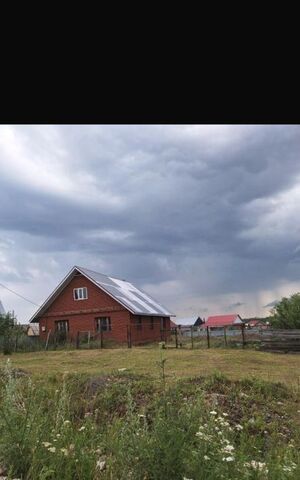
228, 459
225, 414
65, 451
122, 369
285, 468
206, 457
101, 464
52, 449
239, 427
290, 467
228, 449
213, 412
81, 429
260, 466
46, 444
67, 422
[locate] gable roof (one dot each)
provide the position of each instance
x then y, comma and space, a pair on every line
125, 293
223, 320
198, 322
2, 311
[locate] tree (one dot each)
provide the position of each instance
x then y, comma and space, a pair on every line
286, 314
7, 326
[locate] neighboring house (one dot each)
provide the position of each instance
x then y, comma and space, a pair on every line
89, 301
33, 330
256, 323
173, 324
198, 322
2, 311
223, 321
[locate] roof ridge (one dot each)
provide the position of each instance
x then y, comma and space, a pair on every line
100, 273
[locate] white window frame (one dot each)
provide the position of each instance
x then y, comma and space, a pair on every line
80, 293
103, 324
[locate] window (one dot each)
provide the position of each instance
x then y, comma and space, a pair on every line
80, 293
103, 324
62, 326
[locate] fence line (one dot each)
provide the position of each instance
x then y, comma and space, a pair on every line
179, 337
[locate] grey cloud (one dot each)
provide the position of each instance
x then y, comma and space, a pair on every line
235, 305
151, 204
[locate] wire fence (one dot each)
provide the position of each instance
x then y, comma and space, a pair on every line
139, 334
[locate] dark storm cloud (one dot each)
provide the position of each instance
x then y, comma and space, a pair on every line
234, 305
196, 205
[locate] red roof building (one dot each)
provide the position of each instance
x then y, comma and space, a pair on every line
223, 320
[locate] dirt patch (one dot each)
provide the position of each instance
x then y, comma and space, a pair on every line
15, 372
98, 384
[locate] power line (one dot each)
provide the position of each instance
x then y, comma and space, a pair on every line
21, 296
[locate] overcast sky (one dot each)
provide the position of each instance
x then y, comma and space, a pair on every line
204, 218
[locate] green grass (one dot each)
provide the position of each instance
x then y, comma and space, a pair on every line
234, 363
150, 414
126, 425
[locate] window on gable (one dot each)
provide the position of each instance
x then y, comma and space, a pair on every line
103, 324
80, 293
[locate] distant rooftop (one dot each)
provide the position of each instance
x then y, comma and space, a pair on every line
223, 320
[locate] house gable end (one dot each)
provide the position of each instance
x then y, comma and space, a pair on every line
74, 279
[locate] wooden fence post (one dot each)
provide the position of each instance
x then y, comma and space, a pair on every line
128, 336
176, 338
47, 341
89, 338
16, 342
207, 334
101, 338
77, 340
243, 336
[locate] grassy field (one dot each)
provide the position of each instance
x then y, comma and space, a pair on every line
150, 414
234, 363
